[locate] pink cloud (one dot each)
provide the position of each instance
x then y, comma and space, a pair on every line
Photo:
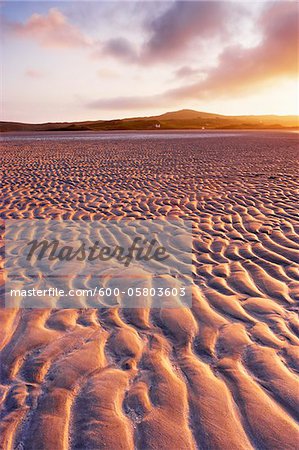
186, 72
183, 22
33, 73
239, 70
51, 30
119, 48
242, 69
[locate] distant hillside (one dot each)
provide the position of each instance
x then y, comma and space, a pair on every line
187, 114
177, 120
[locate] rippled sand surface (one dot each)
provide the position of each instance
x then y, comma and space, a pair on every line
222, 375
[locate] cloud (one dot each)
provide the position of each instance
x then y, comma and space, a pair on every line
126, 103
176, 29
239, 69
33, 73
50, 30
119, 48
172, 32
185, 72
164, 34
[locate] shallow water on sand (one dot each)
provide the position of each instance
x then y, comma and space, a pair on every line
116, 135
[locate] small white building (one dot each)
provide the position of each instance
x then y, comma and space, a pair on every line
157, 125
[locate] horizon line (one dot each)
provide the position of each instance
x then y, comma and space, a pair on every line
151, 116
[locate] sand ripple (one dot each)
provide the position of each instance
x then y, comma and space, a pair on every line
222, 375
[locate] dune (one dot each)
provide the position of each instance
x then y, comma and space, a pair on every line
221, 374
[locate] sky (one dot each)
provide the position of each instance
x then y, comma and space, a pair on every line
81, 60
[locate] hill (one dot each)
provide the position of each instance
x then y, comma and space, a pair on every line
177, 120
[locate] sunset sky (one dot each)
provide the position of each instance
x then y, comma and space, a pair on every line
66, 61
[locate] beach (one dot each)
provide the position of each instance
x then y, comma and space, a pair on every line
222, 374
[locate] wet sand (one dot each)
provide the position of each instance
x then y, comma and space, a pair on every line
221, 375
